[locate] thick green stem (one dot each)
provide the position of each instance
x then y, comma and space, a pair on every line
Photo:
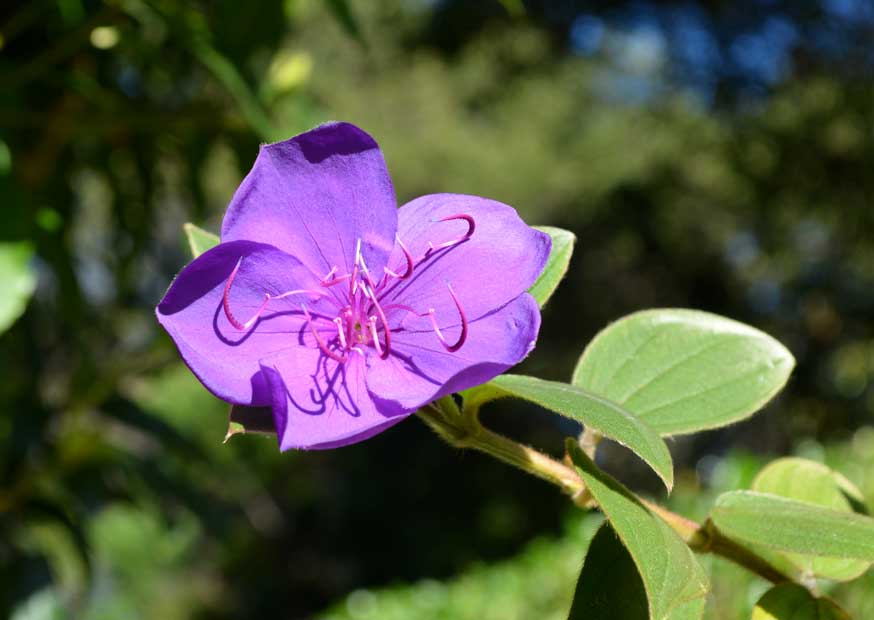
463, 430
466, 432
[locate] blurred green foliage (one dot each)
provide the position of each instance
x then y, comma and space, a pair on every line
539, 582
121, 120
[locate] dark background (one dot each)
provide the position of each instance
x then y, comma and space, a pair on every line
715, 155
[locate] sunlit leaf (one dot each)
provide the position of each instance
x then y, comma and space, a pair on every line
673, 578
789, 525
790, 601
683, 370
609, 586
557, 264
609, 419
17, 280
199, 240
814, 483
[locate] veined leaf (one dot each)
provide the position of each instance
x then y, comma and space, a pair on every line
199, 240
673, 578
609, 419
789, 525
814, 483
556, 265
682, 370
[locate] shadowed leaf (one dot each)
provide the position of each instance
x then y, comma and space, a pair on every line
673, 578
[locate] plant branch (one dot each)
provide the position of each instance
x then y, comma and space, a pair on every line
466, 432
462, 430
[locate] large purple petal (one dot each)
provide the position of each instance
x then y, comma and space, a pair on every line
420, 370
501, 260
318, 403
224, 358
314, 196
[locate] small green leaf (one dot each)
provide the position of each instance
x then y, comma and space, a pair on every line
790, 601
199, 240
557, 264
673, 578
343, 13
17, 279
597, 413
243, 419
514, 7
609, 587
682, 370
814, 483
789, 525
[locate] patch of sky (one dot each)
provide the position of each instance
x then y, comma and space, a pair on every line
859, 11
587, 34
765, 54
742, 249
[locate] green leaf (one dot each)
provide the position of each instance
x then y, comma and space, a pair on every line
673, 578
17, 279
790, 601
343, 13
557, 264
243, 419
514, 7
609, 587
789, 525
199, 240
682, 370
816, 484
597, 413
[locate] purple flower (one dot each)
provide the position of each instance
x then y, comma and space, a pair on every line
342, 312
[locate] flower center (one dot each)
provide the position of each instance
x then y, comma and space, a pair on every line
361, 321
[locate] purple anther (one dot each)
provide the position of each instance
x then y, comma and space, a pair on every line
452, 348
407, 256
471, 227
337, 358
227, 306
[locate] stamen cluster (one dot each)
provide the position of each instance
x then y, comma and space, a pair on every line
362, 319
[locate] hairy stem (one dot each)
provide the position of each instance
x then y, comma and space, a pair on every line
462, 430
466, 432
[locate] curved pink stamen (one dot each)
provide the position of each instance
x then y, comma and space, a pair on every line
408, 257
226, 304
452, 348
337, 358
471, 227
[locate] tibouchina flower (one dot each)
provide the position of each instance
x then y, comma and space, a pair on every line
341, 312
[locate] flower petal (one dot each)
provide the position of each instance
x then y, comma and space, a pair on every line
314, 196
319, 404
224, 358
501, 260
420, 370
